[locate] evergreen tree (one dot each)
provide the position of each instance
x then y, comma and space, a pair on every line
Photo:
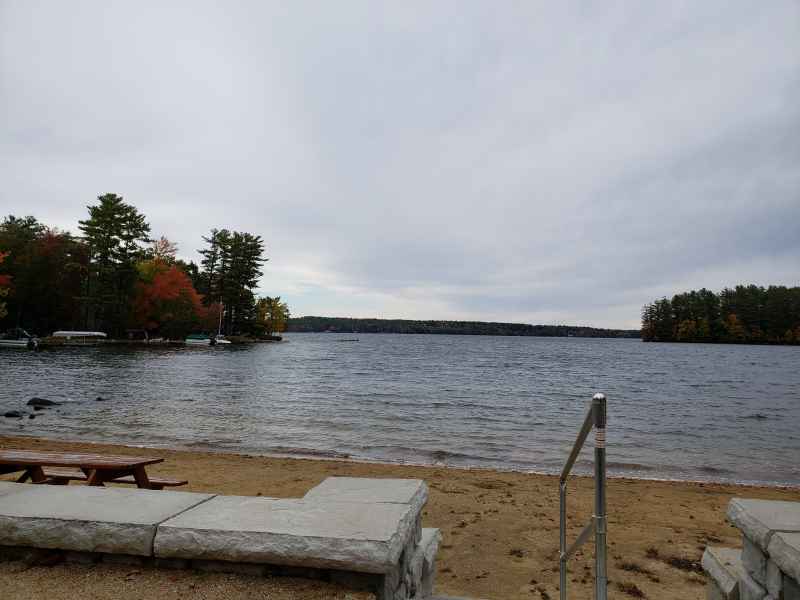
744, 314
114, 234
231, 268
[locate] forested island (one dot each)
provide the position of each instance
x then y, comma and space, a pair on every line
115, 277
348, 325
748, 314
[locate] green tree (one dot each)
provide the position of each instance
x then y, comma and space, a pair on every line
231, 268
114, 233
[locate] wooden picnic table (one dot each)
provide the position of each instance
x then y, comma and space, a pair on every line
98, 468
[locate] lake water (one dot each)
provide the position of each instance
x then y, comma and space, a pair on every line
676, 411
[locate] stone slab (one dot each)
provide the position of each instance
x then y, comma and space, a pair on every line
774, 583
758, 520
791, 589
754, 561
359, 489
9, 487
749, 589
341, 535
423, 563
89, 519
784, 550
724, 568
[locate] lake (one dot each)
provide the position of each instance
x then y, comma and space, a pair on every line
675, 411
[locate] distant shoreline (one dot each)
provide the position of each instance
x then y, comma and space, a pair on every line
314, 324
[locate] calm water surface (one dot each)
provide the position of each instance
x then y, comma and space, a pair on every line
693, 411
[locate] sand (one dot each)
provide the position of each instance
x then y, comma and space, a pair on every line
500, 530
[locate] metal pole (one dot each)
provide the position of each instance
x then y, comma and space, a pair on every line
599, 418
562, 558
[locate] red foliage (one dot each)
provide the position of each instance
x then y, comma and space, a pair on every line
169, 297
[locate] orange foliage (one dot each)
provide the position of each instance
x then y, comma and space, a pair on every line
166, 298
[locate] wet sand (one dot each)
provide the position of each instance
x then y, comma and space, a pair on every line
500, 529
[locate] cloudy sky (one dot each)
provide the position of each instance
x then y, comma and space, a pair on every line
540, 162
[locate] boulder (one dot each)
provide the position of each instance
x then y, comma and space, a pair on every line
42, 402
13, 414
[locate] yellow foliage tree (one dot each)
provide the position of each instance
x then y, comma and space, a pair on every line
272, 314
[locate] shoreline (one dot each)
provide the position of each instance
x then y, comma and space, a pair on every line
323, 456
500, 528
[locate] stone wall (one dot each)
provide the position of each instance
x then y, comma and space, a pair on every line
768, 565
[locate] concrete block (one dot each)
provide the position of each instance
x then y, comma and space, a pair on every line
8, 487
749, 589
724, 569
791, 589
784, 550
714, 592
370, 491
759, 519
774, 583
89, 519
754, 561
422, 565
351, 536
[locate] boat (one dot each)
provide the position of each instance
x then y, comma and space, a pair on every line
199, 339
18, 338
77, 338
221, 339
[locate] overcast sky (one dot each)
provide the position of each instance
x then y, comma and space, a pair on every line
540, 162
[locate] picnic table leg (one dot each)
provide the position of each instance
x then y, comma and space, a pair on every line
94, 477
36, 475
140, 475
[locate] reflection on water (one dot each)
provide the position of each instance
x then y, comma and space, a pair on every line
690, 411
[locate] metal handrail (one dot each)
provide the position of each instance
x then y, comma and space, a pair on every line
595, 417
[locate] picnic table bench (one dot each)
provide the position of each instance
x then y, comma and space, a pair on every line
95, 469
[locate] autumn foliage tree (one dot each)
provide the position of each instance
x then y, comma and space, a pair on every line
113, 276
166, 302
272, 315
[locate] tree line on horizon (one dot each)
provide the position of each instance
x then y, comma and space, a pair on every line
745, 314
114, 277
312, 324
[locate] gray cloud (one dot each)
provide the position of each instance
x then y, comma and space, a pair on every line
512, 161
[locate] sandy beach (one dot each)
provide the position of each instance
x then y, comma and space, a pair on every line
500, 530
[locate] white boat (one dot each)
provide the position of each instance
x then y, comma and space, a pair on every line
80, 338
221, 339
80, 335
18, 338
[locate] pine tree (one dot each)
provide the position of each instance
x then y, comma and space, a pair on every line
114, 233
231, 268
